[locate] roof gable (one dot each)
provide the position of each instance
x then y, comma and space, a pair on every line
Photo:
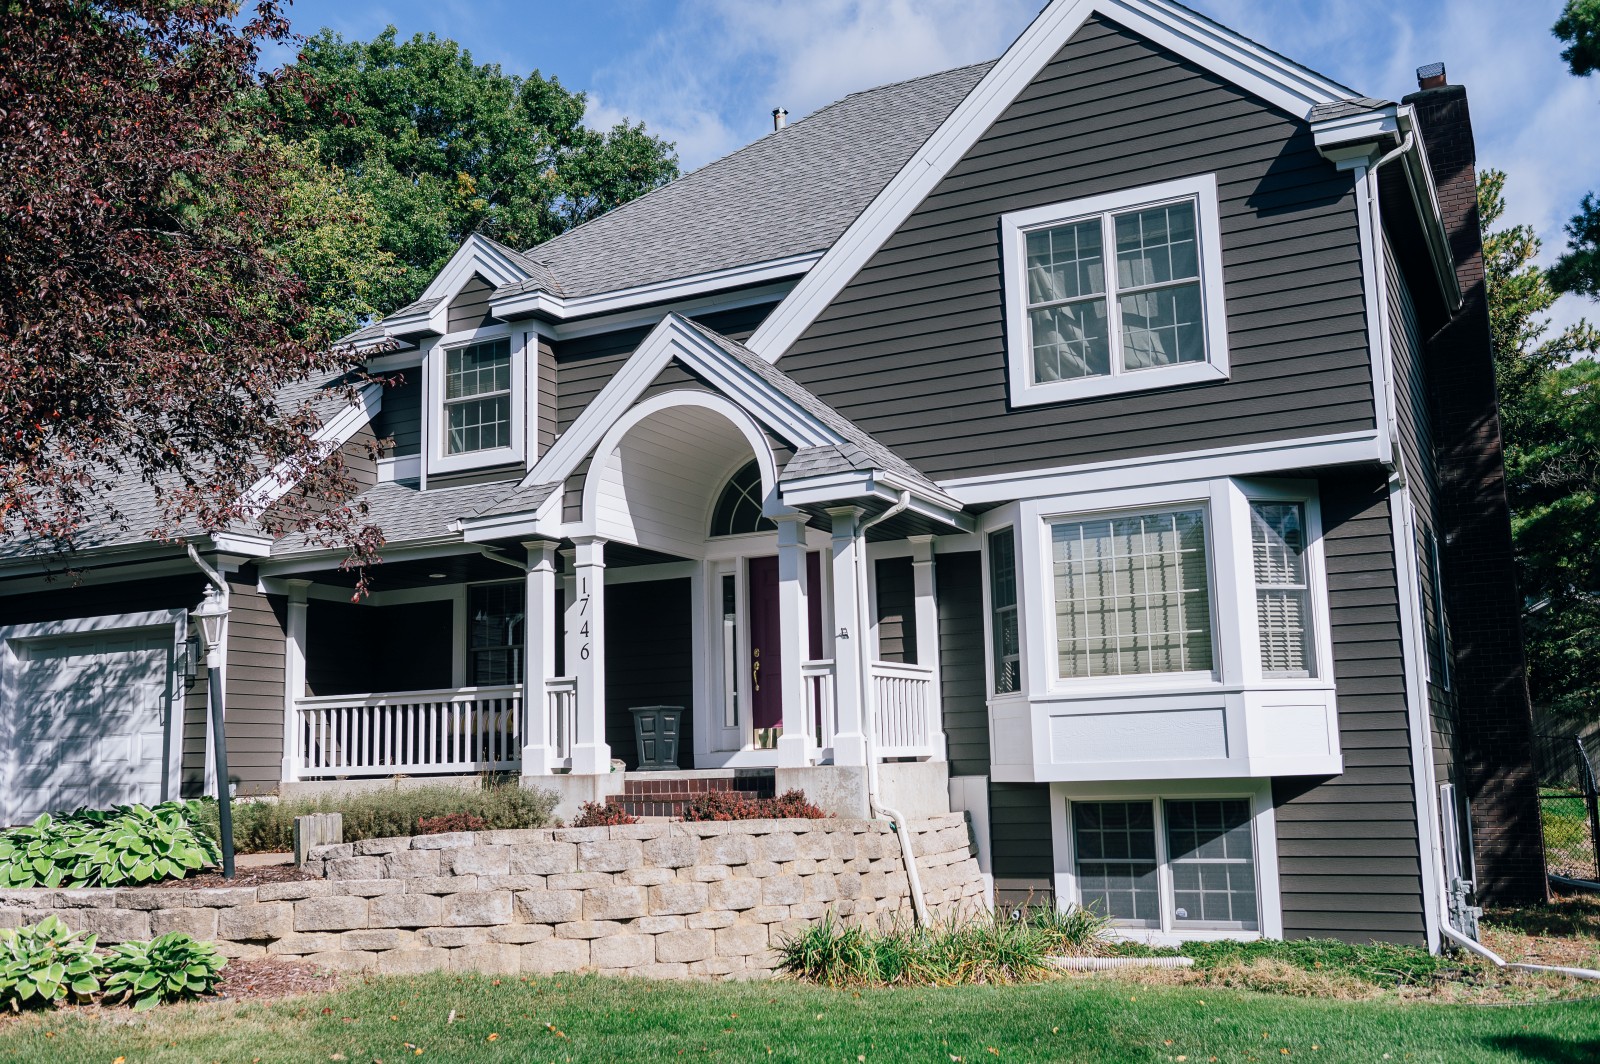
1258, 70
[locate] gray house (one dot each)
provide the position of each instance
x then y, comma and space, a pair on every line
1101, 440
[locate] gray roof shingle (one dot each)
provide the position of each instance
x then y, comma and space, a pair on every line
1356, 105
791, 192
406, 514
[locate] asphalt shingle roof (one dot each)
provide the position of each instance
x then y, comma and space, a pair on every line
793, 191
406, 514
1356, 105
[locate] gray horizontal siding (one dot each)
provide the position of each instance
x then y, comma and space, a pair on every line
958, 584
913, 348
255, 687
586, 364
895, 594
470, 308
400, 417
1348, 861
1019, 832
545, 420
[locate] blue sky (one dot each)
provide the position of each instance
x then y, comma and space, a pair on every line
707, 73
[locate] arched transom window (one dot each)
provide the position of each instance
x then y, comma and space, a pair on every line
739, 507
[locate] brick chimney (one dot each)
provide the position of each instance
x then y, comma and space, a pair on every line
1494, 740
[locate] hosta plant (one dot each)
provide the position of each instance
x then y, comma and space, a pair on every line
46, 962
128, 845
173, 967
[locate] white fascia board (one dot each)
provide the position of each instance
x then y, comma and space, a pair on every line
558, 308
334, 433
1345, 448
1286, 85
1367, 126
243, 544
651, 314
843, 489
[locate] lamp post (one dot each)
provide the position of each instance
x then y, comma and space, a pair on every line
212, 614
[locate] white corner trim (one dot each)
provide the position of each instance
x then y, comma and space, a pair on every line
1286, 85
1201, 191
1256, 459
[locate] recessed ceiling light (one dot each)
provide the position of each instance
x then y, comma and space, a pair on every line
436, 576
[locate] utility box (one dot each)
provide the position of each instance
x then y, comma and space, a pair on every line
656, 729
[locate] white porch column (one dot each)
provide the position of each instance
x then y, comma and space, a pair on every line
849, 650
796, 746
539, 659
294, 676
586, 655
927, 611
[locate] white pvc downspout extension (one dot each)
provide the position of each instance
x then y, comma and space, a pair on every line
901, 825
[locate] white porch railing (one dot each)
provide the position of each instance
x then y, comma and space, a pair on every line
822, 718
904, 695
561, 705
471, 729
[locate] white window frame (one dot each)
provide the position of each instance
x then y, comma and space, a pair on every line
1269, 902
1014, 229
436, 424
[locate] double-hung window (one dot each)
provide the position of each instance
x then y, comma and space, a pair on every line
1115, 293
477, 397
1171, 864
1132, 594
1283, 591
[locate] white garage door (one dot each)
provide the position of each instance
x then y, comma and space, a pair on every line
87, 726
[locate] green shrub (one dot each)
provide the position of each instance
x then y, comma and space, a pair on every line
128, 845
732, 805
173, 967
44, 963
997, 949
268, 827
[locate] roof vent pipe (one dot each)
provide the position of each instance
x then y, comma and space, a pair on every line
1430, 76
780, 118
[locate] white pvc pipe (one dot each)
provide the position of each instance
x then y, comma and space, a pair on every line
1109, 964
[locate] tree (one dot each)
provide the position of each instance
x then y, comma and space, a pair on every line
1550, 419
151, 315
1579, 269
445, 147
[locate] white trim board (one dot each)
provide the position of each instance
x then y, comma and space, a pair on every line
1242, 62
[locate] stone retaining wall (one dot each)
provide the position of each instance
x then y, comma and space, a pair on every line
664, 900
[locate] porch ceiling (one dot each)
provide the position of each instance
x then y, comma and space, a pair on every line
418, 572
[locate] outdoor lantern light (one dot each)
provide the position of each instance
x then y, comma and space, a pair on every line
212, 616
191, 659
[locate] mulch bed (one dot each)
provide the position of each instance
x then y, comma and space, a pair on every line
243, 877
264, 978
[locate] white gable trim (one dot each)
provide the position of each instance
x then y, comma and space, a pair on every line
1242, 62
674, 338
334, 433
476, 255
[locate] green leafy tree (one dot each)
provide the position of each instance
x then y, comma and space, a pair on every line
444, 147
1579, 269
1550, 416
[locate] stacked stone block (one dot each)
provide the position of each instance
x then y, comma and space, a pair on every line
662, 900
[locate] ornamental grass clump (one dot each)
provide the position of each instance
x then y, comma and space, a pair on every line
126, 846
500, 803
997, 949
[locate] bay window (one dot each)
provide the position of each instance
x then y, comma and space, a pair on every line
1115, 293
1132, 594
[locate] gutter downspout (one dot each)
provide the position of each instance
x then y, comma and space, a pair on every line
897, 820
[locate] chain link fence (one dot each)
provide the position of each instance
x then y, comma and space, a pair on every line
1569, 799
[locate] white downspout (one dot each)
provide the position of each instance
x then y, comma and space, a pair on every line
897, 820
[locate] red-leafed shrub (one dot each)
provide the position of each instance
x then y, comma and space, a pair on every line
438, 825
601, 815
792, 805
731, 805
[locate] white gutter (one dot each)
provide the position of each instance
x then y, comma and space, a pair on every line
897, 820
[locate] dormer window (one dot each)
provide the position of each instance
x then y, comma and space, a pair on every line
477, 404
1115, 293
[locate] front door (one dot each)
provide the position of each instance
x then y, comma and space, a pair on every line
765, 671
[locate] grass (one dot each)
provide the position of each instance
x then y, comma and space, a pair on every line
980, 949
569, 1018
268, 827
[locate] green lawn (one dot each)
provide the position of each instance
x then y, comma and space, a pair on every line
391, 1020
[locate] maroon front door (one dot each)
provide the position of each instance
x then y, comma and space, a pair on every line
766, 662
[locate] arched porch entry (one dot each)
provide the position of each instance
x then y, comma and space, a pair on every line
688, 583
